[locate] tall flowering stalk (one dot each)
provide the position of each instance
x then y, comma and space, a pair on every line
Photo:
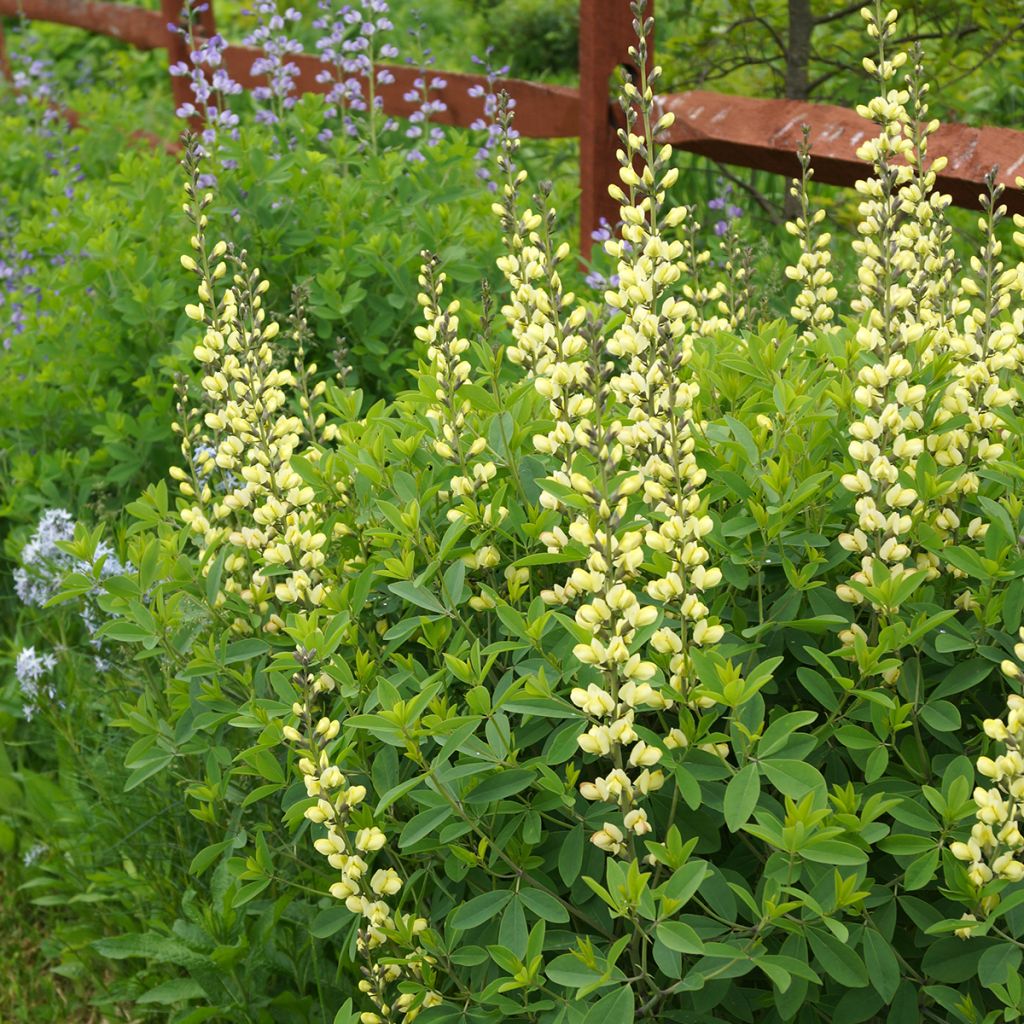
351, 845
251, 512
889, 401
814, 306
995, 849
271, 36
621, 437
489, 120
242, 492
33, 82
354, 38
16, 289
426, 93
210, 83
988, 350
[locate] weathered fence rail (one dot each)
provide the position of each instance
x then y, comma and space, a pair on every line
739, 130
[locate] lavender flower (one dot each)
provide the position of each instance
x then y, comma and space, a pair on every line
30, 670
351, 44
16, 268
721, 202
270, 35
595, 279
210, 85
422, 93
489, 121
34, 81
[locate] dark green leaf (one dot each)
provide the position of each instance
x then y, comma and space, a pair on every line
741, 796
478, 910
837, 959
882, 964
680, 937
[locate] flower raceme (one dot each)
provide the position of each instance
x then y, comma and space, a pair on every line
248, 507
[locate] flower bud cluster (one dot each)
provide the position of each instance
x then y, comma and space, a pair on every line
814, 306
539, 313
620, 408
446, 350
351, 845
241, 489
996, 846
899, 231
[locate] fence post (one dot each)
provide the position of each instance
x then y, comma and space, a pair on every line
606, 34
5, 67
177, 47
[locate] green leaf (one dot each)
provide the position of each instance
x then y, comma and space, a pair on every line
245, 650
882, 964
837, 959
686, 881
150, 946
615, 1008
512, 932
570, 856
250, 891
963, 676
779, 976
940, 716
346, 1015
419, 596
921, 871
329, 921
478, 910
997, 963
423, 824
177, 990
680, 937
832, 851
777, 735
500, 785
147, 770
792, 778
741, 795
205, 857
544, 905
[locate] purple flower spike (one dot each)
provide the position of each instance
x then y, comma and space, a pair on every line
487, 123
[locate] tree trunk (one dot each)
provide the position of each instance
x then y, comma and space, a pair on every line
798, 58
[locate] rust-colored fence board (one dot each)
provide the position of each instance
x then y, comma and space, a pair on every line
606, 34
542, 111
766, 133
738, 130
145, 30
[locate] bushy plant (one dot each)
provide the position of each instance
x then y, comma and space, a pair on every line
630, 667
534, 38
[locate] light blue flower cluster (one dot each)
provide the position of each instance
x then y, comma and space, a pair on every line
46, 565
31, 670
33, 79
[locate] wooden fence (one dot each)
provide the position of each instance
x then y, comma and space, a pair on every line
737, 130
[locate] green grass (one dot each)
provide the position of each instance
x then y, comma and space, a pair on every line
30, 992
